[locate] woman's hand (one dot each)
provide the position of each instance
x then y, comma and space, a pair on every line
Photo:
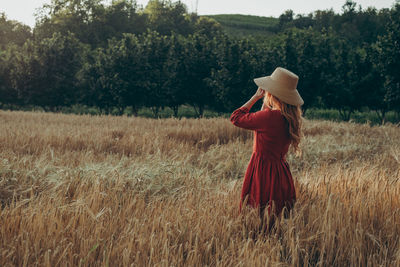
259, 94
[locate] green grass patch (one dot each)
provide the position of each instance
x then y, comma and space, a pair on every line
187, 111
365, 116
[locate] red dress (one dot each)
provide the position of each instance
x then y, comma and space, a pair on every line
268, 178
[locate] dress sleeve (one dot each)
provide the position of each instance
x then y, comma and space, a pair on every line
252, 121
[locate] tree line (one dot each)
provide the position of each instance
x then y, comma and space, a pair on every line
121, 55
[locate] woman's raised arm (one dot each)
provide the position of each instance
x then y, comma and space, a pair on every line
242, 118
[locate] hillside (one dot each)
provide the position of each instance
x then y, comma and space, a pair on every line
244, 25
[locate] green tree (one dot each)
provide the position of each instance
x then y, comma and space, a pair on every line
97, 80
309, 68
388, 51
232, 80
200, 60
91, 21
115, 77
122, 16
373, 89
348, 81
166, 17
207, 26
12, 32
286, 19
303, 22
291, 55
45, 72
65, 16
174, 86
129, 66
7, 94
156, 49
324, 19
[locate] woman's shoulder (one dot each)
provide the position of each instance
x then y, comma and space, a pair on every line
274, 113
274, 117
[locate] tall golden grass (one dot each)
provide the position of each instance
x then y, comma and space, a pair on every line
119, 191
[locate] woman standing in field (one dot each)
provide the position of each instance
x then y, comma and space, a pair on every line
268, 183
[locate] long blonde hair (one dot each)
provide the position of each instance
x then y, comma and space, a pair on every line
293, 116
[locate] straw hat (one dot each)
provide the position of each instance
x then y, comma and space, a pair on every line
282, 84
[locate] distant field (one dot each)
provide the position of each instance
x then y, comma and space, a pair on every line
106, 191
186, 111
244, 25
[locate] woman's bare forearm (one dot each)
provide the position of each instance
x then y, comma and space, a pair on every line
250, 103
258, 95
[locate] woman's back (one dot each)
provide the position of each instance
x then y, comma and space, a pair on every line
271, 137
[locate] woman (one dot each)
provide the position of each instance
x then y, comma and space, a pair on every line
268, 182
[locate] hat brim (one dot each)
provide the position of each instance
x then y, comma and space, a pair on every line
291, 97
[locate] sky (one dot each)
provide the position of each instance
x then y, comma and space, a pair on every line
23, 10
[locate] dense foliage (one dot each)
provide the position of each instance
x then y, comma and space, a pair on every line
121, 55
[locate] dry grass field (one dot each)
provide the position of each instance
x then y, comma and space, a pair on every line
121, 191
